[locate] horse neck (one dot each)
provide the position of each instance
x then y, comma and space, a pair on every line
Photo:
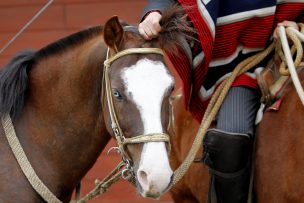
62, 120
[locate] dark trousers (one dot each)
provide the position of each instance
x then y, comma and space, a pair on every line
227, 148
238, 111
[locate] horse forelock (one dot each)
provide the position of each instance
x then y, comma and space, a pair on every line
175, 24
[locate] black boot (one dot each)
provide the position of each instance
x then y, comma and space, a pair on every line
228, 156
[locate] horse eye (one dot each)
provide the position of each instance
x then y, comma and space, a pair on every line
171, 89
117, 94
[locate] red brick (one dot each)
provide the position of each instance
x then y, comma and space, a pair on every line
82, 15
3, 61
93, 1
31, 40
20, 2
4, 38
14, 18
78, 1
11, 3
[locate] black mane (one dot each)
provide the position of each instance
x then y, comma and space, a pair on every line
13, 83
69, 41
14, 76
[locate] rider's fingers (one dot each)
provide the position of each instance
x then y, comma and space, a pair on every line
149, 30
285, 23
288, 23
155, 29
150, 27
142, 31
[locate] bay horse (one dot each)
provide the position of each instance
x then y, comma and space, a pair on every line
279, 158
279, 155
56, 99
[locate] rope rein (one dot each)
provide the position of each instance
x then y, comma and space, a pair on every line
212, 109
24, 163
102, 186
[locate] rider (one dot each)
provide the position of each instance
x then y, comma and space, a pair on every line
227, 35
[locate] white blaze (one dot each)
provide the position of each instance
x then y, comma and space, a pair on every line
146, 84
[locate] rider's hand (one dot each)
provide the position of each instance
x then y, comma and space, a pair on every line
285, 23
149, 28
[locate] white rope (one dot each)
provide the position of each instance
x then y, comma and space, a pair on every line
299, 34
26, 25
290, 64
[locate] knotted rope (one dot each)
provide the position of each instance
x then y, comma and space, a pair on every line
296, 38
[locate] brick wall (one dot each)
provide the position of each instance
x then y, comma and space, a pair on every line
62, 18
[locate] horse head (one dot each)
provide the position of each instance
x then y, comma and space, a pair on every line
138, 91
140, 86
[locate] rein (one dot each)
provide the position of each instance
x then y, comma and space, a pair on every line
24, 163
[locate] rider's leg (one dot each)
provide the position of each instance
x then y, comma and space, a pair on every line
227, 148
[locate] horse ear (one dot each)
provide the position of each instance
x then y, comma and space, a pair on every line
113, 33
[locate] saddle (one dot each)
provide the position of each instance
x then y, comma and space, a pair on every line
272, 83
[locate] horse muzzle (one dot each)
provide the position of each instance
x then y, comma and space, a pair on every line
154, 174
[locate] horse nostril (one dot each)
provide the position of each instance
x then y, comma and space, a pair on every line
143, 178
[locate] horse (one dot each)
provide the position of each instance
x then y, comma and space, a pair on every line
279, 157
278, 160
193, 187
57, 100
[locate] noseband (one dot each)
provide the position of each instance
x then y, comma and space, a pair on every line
122, 141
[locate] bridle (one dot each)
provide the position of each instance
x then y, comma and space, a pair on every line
122, 141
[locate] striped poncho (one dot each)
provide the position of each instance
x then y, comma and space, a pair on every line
229, 31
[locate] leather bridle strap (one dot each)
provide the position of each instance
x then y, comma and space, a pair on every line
122, 141
153, 137
107, 63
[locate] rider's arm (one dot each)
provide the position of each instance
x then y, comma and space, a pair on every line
156, 5
149, 26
